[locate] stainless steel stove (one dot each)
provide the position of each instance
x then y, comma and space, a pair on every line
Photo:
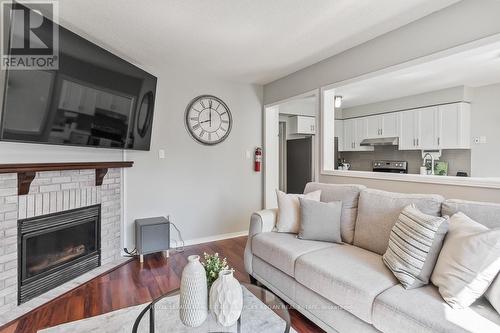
390, 166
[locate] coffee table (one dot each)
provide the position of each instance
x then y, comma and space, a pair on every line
263, 312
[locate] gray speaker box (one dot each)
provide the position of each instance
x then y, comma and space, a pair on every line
152, 235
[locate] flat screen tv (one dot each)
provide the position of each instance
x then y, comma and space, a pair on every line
94, 98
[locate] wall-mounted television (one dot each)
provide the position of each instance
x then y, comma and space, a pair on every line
94, 98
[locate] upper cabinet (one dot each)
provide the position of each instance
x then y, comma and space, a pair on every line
339, 133
303, 125
438, 127
454, 126
383, 126
355, 131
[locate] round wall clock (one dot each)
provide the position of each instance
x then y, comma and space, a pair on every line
208, 119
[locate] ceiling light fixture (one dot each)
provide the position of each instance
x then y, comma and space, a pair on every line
337, 101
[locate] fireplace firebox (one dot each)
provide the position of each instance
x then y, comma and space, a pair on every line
56, 248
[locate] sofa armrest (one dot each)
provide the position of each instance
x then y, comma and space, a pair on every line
261, 221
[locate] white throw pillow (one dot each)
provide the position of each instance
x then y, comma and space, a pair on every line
468, 262
289, 210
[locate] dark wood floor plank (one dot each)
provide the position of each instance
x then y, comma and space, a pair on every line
135, 283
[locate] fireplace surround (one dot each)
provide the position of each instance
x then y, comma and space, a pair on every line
29, 191
56, 248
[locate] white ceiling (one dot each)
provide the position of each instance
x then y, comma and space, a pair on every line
473, 68
251, 41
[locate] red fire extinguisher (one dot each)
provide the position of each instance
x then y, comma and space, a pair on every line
258, 159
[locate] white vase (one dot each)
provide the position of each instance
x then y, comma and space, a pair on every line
193, 304
226, 298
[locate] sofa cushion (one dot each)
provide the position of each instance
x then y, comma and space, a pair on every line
378, 211
281, 249
423, 310
349, 195
347, 276
486, 213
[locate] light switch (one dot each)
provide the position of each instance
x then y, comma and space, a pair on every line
482, 139
161, 154
476, 140
248, 154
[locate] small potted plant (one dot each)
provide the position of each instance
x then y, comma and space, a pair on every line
213, 265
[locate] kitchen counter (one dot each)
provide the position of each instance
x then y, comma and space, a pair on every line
492, 182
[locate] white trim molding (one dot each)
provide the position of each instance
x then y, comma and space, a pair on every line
440, 180
208, 239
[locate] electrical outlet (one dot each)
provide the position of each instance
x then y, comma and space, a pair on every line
161, 154
476, 140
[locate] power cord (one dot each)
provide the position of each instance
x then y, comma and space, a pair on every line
177, 248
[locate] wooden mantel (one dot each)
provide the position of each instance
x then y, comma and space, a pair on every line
26, 171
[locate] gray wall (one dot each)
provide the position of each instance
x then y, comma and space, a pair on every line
463, 22
206, 190
485, 122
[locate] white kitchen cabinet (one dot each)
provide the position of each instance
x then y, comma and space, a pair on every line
438, 127
409, 130
390, 125
428, 134
419, 129
339, 133
303, 125
454, 126
355, 131
383, 126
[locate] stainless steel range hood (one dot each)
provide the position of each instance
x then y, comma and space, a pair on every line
393, 141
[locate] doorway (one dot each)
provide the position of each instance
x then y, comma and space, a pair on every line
294, 119
298, 164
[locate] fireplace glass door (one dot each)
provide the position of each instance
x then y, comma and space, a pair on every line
57, 246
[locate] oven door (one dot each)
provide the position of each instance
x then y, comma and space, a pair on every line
389, 171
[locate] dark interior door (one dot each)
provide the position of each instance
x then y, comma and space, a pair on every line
298, 164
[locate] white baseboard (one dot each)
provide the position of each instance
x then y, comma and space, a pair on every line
213, 238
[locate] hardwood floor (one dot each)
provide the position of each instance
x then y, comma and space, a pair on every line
134, 283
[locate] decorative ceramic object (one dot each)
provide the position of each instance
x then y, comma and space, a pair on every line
193, 293
226, 298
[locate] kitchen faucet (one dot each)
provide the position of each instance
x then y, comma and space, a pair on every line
432, 162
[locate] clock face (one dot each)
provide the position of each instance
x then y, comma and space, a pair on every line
208, 119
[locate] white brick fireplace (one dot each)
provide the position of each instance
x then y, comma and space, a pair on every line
52, 192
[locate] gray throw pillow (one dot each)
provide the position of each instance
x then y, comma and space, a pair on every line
414, 245
320, 221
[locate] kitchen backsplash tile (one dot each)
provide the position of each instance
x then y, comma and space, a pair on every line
458, 159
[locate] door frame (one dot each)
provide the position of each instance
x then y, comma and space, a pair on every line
270, 133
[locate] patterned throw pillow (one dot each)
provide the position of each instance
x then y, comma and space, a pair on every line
414, 246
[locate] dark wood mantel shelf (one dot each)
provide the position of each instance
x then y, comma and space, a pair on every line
26, 171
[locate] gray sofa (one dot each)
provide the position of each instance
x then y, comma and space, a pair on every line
346, 287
